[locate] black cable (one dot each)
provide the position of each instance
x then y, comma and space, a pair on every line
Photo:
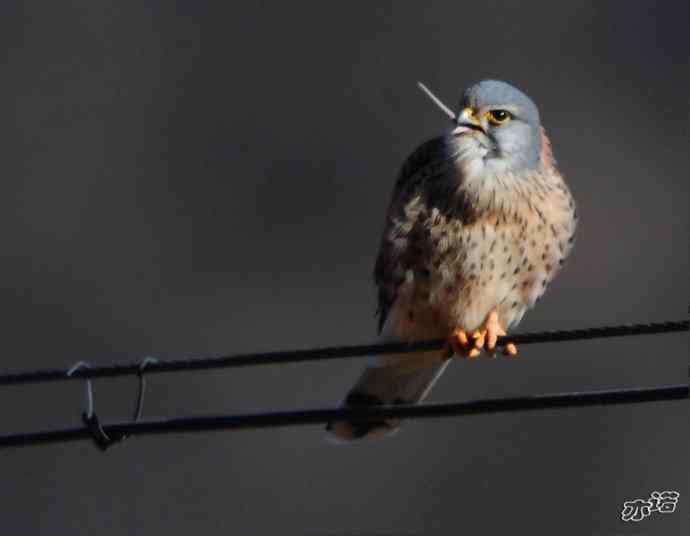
316, 416
336, 352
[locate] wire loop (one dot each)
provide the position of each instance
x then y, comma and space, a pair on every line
148, 360
89, 389
101, 438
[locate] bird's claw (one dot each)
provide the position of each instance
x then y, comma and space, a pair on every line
487, 336
510, 349
459, 344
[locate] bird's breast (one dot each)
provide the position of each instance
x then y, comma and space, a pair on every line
460, 259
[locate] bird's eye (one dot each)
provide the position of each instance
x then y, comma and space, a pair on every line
498, 117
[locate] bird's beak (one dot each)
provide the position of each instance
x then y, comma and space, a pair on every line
468, 120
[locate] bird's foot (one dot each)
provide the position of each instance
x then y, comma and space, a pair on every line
470, 346
489, 334
458, 343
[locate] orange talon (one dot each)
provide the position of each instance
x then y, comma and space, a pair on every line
479, 338
484, 337
459, 343
494, 330
462, 336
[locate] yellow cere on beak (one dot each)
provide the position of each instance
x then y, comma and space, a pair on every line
471, 116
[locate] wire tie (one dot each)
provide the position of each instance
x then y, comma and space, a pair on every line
148, 360
101, 439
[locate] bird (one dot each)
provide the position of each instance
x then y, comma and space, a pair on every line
479, 223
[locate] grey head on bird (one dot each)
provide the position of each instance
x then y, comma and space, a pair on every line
497, 129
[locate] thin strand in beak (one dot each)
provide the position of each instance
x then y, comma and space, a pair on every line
437, 101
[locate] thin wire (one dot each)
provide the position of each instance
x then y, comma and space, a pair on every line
437, 101
80, 365
147, 361
316, 416
334, 352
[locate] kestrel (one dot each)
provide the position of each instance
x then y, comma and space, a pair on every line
479, 223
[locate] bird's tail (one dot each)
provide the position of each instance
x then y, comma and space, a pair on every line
397, 379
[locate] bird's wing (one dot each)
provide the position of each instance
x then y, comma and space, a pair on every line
429, 161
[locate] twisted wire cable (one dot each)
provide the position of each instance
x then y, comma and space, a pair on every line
318, 416
333, 352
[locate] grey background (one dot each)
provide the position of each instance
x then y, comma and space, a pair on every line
187, 179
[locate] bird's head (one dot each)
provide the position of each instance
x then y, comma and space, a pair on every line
496, 130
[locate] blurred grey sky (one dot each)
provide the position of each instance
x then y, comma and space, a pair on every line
197, 178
